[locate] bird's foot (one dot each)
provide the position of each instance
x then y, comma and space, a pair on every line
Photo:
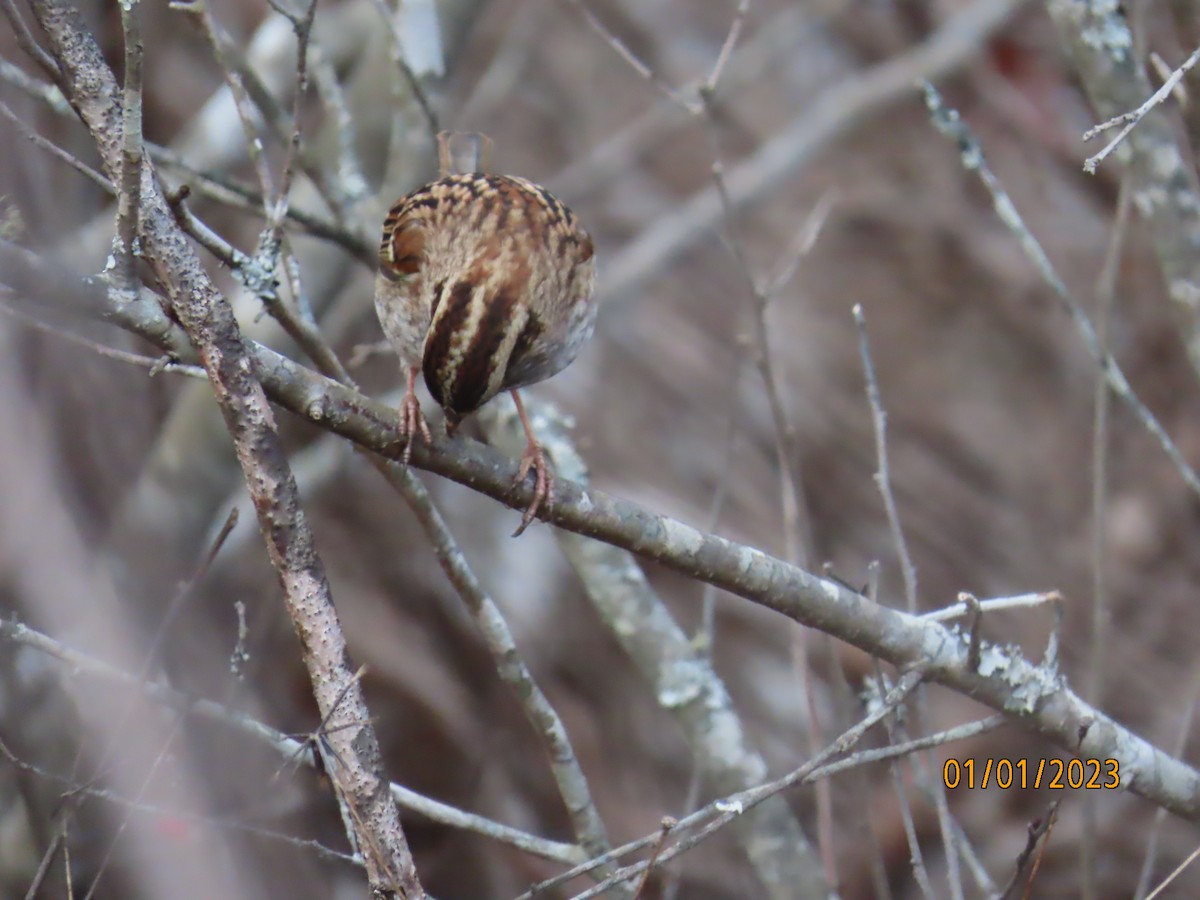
534, 459
412, 422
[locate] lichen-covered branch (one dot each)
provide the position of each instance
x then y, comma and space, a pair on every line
1033, 696
1164, 185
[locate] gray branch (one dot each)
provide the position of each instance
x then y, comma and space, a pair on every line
1032, 696
208, 319
1164, 185
682, 677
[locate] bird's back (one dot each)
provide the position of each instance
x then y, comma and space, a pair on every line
494, 279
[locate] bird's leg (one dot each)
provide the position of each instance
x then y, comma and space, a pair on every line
533, 458
412, 420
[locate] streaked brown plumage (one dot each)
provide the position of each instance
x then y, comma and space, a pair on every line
485, 284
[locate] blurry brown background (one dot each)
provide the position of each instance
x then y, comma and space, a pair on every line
988, 388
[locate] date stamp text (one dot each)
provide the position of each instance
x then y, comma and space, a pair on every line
979, 773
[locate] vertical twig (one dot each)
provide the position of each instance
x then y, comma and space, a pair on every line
129, 194
1101, 614
668, 823
405, 71
883, 481
302, 26
237, 89
883, 478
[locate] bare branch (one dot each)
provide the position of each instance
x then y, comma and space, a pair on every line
568, 775
1166, 192
1034, 697
828, 117
948, 121
288, 748
26, 41
129, 195
210, 324
883, 479
1131, 119
58, 152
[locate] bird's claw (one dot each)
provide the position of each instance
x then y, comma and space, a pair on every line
534, 458
412, 424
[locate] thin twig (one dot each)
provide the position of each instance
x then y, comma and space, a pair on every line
49, 94
352, 183
1132, 118
302, 25
220, 44
26, 42
668, 823
113, 841
948, 121
206, 237
883, 480
231, 192
512, 669
908, 571
58, 152
1037, 833
155, 364
796, 527
623, 51
57, 840
963, 608
74, 790
729, 808
1098, 663
731, 39
880, 685
405, 71
80, 664
1175, 873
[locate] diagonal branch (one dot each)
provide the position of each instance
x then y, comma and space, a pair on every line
208, 319
686, 685
1032, 696
83, 665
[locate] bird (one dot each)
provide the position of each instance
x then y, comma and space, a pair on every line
486, 283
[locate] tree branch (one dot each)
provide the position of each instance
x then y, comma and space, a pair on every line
1032, 696
208, 319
